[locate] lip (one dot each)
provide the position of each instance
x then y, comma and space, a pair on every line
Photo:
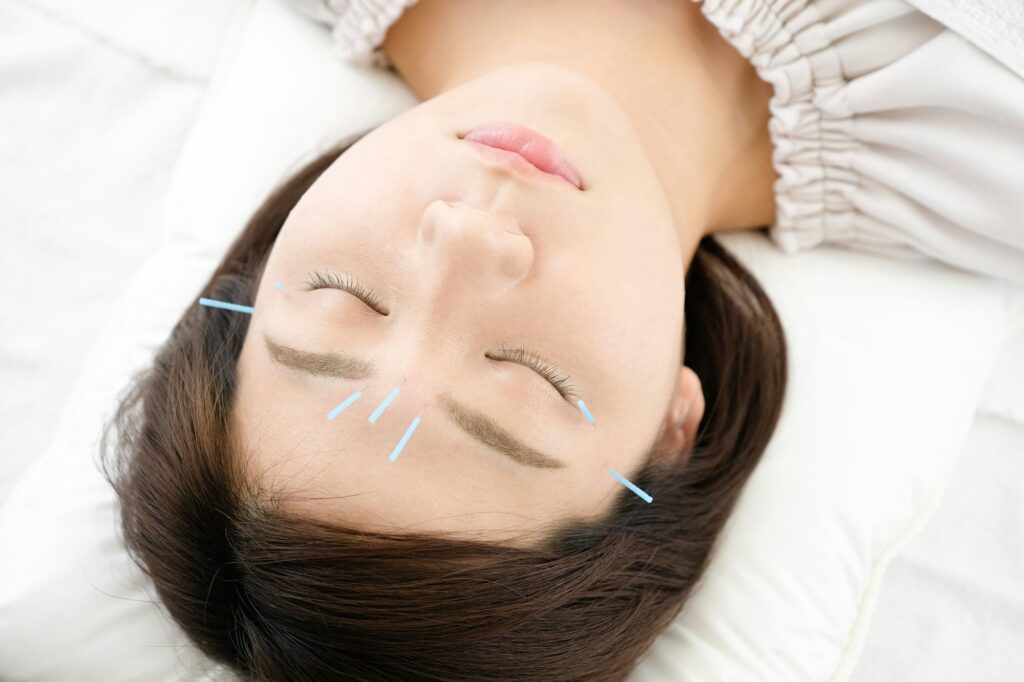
524, 149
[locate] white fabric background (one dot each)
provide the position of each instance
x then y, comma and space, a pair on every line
95, 101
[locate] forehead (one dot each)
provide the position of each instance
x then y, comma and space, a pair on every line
340, 468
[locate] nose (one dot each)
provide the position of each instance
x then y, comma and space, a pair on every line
463, 259
470, 246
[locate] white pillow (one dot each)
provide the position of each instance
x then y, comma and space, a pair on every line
888, 361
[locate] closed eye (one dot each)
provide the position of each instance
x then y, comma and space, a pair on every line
558, 379
332, 280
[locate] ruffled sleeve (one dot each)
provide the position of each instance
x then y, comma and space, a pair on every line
358, 27
810, 125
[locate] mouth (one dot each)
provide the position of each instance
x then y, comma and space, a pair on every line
523, 148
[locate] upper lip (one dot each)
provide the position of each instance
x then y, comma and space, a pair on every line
539, 151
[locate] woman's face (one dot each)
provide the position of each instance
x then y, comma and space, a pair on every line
470, 260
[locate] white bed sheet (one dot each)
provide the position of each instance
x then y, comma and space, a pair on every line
951, 606
95, 102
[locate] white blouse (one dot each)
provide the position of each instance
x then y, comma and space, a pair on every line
891, 132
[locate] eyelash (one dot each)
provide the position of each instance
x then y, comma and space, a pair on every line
531, 360
332, 280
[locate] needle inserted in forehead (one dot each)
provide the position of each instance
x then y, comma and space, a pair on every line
383, 406
227, 306
341, 408
405, 439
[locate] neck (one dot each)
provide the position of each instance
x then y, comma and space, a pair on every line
699, 106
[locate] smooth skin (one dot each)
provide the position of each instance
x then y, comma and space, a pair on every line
667, 125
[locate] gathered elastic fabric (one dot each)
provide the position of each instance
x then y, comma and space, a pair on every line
358, 26
791, 45
892, 133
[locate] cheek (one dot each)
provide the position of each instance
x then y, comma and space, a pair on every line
639, 321
619, 237
641, 288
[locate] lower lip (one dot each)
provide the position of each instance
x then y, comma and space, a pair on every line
539, 151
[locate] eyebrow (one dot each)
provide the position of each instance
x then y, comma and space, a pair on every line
476, 424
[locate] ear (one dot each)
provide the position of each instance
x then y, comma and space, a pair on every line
684, 415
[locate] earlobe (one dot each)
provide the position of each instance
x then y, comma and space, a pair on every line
693, 390
684, 414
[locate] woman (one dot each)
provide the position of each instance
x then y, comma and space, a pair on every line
258, 464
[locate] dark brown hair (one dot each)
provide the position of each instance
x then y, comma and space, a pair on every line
275, 595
